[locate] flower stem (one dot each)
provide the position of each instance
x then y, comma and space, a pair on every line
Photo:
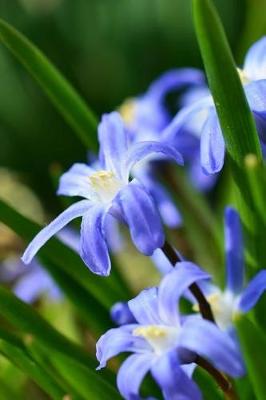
204, 306
221, 379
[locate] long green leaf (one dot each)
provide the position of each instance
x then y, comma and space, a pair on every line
253, 343
25, 319
72, 107
235, 117
84, 381
13, 349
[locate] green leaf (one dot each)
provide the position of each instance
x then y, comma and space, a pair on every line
68, 102
235, 117
26, 319
89, 384
253, 343
13, 349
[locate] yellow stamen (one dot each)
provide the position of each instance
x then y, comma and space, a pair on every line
127, 111
243, 77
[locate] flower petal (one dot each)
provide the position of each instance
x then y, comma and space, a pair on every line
200, 180
76, 210
174, 382
94, 250
113, 235
253, 292
142, 217
174, 80
194, 115
234, 248
212, 146
116, 341
75, 182
255, 60
161, 262
173, 286
208, 341
132, 373
35, 283
113, 142
152, 150
121, 314
144, 307
255, 93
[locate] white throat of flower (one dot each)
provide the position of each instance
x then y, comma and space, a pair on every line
160, 337
243, 76
105, 185
223, 306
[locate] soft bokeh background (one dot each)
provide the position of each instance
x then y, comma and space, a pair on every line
108, 49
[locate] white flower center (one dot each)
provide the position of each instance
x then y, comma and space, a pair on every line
243, 76
105, 185
223, 306
161, 338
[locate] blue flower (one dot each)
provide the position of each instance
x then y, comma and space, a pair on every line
109, 191
200, 118
145, 118
31, 282
236, 297
165, 343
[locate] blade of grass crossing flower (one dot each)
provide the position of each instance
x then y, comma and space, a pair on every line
253, 343
235, 117
106, 291
68, 102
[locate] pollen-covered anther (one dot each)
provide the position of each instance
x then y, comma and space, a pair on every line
151, 331
105, 184
127, 111
243, 76
161, 338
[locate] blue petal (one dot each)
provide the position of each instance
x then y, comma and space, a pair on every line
255, 60
212, 146
113, 142
234, 251
168, 211
194, 116
199, 179
142, 217
207, 340
121, 314
172, 288
174, 382
113, 235
116, 341
161, 262
74, 182
253, 292
34, 284
255, 92
174, 80
132, 373
151, 149
76, 210
94, 250
144, 307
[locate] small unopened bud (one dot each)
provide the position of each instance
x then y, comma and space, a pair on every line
251, 161
28, 339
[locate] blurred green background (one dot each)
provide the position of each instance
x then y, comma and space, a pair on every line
109, 50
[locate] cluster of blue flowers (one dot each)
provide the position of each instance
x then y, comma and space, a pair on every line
122, 186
